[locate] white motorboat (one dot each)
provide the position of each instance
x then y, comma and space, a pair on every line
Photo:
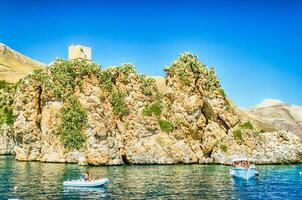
243, 168
83, 183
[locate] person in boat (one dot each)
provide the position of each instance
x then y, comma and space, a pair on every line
244, 164
87, 176
237, 164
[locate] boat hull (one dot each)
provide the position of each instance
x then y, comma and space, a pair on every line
243, 173
81, 183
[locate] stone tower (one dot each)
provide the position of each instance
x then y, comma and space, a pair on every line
79, 52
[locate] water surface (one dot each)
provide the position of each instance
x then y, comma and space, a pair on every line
35, 180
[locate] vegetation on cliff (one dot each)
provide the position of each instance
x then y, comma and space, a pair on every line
6, 103
60, 82
63, 80
153, 109
5, 85
116, 116
223, 147
189, 69
238, 134
148, 85
165, 125
73, 123
193, 73
118, 103
247, 125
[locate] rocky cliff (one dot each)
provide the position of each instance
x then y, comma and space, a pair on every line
76, 112
14, 66
7, 142
278, 115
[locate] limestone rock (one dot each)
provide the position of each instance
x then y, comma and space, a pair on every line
128, 120
278, 147
7, 142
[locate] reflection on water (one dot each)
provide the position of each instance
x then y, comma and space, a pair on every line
34, 180
85, 193
243, 189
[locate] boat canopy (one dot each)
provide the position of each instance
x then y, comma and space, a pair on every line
240, 158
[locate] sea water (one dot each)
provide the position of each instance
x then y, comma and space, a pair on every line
35, 180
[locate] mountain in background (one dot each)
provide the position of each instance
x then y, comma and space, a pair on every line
276, 115
14, 65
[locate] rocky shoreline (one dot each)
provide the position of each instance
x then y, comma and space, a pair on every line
76, 112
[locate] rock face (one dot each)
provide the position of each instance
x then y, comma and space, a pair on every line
6, 140
14, 66
281, 147
278, 115
75, 112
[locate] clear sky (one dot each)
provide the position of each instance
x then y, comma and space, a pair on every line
255, 46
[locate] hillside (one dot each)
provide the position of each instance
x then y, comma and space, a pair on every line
14, 66
278, 115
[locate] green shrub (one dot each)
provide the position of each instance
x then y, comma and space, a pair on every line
184, 78
211, 82
62, 77
6, 103
6, 115
222, 92
165, 125
5, 51
123, 73
73, 121
262, 131
126, 69
3, 84
106, 80
187, 65
237, 135
148, 85
119, 106
247, 125
9, 116
155, 108
6, 86
224, 147
167, 70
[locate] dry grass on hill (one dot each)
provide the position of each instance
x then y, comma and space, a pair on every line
14, 65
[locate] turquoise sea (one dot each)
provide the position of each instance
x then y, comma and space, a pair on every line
35, 180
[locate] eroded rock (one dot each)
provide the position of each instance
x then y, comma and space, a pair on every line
128, 121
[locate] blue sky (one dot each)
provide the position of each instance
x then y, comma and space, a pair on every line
255, 46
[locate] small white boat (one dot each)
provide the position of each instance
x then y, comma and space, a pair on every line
83, 183
242, 168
